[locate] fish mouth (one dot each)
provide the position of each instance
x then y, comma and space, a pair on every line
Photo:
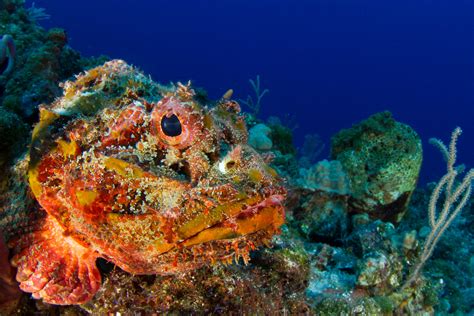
229, 240
239, 207
267, 214
223, 241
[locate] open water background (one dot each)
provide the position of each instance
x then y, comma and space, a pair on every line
327, 63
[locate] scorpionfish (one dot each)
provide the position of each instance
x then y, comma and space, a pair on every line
154, 179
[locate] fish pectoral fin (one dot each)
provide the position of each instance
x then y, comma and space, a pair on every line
55, 267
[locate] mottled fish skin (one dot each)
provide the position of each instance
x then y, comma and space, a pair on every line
154, 183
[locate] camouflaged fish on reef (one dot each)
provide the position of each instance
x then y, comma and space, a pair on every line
155, 183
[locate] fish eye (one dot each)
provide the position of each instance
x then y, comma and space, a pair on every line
171, 126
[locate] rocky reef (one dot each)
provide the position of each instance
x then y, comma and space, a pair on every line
42, 60
140, 198
382, 158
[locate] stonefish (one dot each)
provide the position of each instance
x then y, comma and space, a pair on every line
151, 178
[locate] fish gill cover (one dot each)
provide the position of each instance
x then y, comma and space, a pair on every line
126, 194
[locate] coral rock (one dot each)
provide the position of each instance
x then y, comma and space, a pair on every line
327, 176
382, 159
323, 192
259, 137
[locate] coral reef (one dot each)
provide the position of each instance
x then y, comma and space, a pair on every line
327, 176
328, 260
139, 198
42, 60
259, 137
321, 216
281, 136
382, 158
450, 264
216, 290
13, 136
33, 62
363, 274
321, 212
455, 197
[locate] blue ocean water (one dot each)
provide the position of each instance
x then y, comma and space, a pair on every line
327, 63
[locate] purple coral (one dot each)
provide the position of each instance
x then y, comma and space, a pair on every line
7, 54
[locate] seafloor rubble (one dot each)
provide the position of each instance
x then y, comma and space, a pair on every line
354, 227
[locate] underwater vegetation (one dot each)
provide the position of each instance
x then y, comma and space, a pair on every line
134, 197
457, 194
254, 103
